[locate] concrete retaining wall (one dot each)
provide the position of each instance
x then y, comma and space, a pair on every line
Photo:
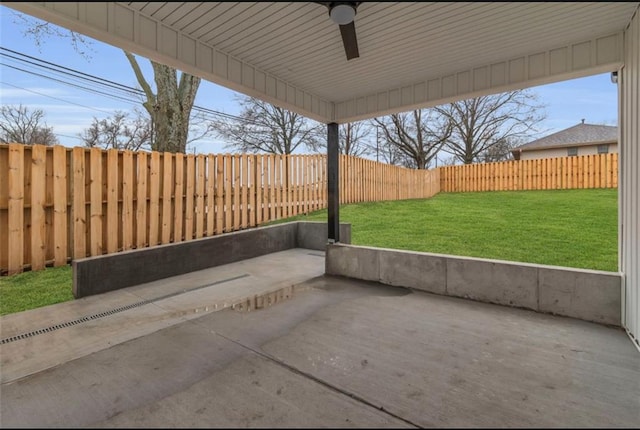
584, 294
96, 275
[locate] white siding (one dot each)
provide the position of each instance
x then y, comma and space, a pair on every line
630, 179
575, 60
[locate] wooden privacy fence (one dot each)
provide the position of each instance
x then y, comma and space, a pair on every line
58, 204
363, 180
586, 171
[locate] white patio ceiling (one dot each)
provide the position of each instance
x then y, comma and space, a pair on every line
412, 54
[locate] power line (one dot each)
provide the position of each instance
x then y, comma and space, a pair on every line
100, 81
111, 85
55, 98
91, 90
93, 77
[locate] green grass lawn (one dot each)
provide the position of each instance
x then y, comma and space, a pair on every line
571, 228
32, 290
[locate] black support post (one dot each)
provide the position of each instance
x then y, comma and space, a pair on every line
333, 179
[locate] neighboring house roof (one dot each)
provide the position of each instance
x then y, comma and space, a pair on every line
578, 135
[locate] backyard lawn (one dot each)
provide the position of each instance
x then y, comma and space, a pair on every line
571, 228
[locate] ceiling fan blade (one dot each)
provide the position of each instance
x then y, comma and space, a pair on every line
349, 40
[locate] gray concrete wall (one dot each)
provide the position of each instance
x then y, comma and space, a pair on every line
584, 294
313, 234
100, 274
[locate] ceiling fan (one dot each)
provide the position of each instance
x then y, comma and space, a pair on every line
343, 14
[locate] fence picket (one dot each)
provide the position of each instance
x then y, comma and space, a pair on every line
38, 202
15, 208
60, 194
79, 207
112, 220
154, 198
127, 200
199, 199
166, 187
95, 174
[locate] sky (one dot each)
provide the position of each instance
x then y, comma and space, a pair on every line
32, 75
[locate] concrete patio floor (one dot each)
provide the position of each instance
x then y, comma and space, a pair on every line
272, 342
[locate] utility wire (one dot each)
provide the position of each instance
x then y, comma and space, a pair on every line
55, 98
111, 85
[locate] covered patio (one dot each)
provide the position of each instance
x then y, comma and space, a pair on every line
342, 349
248, 344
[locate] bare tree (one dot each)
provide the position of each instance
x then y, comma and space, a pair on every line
353, 139
169, 106
263, 127
416, 135
119, 132
39, 31
501, 151
18, 125
480, 123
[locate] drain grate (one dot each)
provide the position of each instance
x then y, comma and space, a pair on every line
110, 312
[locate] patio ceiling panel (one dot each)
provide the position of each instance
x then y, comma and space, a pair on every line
412, 54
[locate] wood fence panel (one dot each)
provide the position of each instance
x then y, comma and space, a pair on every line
228, 184
219, 194
112, 221
60, 221
587, 171
235, 189
95, 174
189, 194
4, 206
241, 187
295, 185
79, 199
154, 198
211, 194
312, 182
603, 172
317, 165
178, 198
264, 160
38, 202
141, 199
128, 170
259, 187
305, 181
15, 181
199, 212
253, 190
278, 172
95, 202
166, 186
590, 172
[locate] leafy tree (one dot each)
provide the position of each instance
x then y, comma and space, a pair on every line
416, 136
481, 123
18, 125
263, 127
